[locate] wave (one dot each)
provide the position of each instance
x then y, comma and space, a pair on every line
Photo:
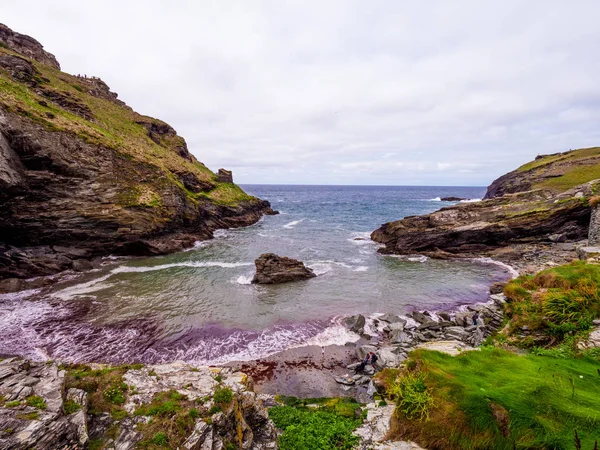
134, 269
484, 260
243, 279
361, 269
437, 199
411, 258
97, 283
470, 200
293, 223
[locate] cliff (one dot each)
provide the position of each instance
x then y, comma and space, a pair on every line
83, 175
543, 201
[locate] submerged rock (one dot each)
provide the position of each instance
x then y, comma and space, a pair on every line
273, 269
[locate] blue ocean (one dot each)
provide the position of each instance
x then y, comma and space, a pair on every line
199, 306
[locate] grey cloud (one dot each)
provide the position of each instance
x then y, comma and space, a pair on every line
343, 91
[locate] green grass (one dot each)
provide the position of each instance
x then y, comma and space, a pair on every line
325, 424
71, 407
496, 399
115, 127
557, 302
36, 402
577, 170
223, 395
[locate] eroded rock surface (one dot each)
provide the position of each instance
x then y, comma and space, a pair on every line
273, 269
33, 414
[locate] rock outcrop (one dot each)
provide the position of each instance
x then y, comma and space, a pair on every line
82, 175
539, 216
38, 411
27, 46
273, 269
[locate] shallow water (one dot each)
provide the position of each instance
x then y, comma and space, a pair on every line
199, 305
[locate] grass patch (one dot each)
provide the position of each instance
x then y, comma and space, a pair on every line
496, 399
319, 424
12, 404
223, 395
558, 302
227, 194
71, 407
173, 419
105, 387
36, 401
29, 416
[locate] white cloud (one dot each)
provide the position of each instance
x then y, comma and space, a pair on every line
342, 92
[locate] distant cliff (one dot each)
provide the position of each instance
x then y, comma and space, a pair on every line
83, 175
542, 201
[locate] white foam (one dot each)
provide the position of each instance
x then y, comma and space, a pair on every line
336, 334
221, 233
484, 260
293, 223
130, 269
97, 283
437, 199
197, 245
20, 295
320, 268
361, 269
470, 200
243, 279
83, 288
410, 258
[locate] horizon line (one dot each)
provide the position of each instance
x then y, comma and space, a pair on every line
362, 185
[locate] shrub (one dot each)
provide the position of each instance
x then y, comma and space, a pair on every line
71, 407
115, 393
223, 395
305, 428
36, 401
160, 438
412, 396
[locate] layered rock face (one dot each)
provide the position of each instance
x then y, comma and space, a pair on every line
531, 205
82, 175
273, 269
39, 410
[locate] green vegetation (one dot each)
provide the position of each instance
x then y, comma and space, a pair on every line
317, 424
12, 404
146, 144
36, 401
105, 387
29, 416
71, 407
579, 166
496, 399
223, 395
558, 302
173, 418
413, 398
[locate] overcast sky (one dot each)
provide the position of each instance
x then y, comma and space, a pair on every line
343, 92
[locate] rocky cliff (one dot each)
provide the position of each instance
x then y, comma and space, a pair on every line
544, 201
83, 175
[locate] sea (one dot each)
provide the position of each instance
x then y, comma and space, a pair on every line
199, 305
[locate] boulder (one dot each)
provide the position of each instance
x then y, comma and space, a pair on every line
273, 269
386, 357
392, 318
421, 317
444, 316
356, 323
497, 287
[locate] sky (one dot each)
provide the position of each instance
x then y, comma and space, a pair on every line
342, 92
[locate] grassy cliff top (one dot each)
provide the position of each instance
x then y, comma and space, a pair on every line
566, 170
85, 107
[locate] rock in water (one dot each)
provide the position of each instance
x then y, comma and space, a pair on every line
273, 269
355, 323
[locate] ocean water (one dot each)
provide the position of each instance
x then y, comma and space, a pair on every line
199, 306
